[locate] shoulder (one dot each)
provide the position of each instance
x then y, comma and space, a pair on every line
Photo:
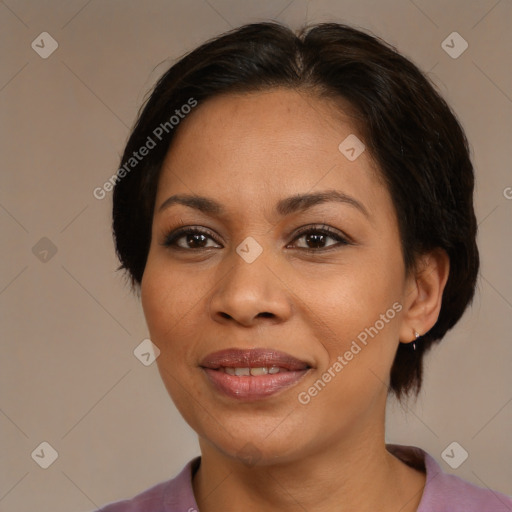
452, 493
449, 493
148, 501
168, 496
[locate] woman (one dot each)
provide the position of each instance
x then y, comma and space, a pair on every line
297, 213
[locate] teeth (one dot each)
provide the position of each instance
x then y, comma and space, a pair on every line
245, 372
259, 371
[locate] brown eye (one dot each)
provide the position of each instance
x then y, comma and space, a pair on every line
316, 238
194, 239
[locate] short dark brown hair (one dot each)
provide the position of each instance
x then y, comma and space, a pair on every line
411, 133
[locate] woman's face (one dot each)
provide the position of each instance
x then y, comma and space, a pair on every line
252, 285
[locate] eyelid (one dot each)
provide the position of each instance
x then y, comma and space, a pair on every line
175, 234
339, 236
323, 228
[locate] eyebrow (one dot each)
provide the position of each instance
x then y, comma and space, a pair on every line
287, 206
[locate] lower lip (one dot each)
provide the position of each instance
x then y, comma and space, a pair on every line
256, 387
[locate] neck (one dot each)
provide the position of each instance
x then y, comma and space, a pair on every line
356, 474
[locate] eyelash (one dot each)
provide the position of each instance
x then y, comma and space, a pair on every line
171, 238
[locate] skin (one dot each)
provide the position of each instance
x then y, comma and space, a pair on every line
248, 151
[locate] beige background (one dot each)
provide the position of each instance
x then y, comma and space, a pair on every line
69, 325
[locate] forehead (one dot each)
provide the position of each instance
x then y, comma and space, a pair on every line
281, 115
273, 143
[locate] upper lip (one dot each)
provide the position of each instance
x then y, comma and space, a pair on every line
252, 358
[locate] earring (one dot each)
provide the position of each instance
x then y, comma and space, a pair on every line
417, 335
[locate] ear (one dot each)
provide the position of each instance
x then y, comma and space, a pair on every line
423, 294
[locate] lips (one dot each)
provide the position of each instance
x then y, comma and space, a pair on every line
252, 374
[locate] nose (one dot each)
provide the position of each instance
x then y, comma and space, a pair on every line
251, 293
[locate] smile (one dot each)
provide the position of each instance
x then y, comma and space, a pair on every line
242, 372
250, 375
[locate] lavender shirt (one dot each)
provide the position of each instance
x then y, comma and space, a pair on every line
442, 493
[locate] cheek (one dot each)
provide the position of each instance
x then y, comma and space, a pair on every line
356, 316
169, 300
359, 348
353, 298
168, 295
